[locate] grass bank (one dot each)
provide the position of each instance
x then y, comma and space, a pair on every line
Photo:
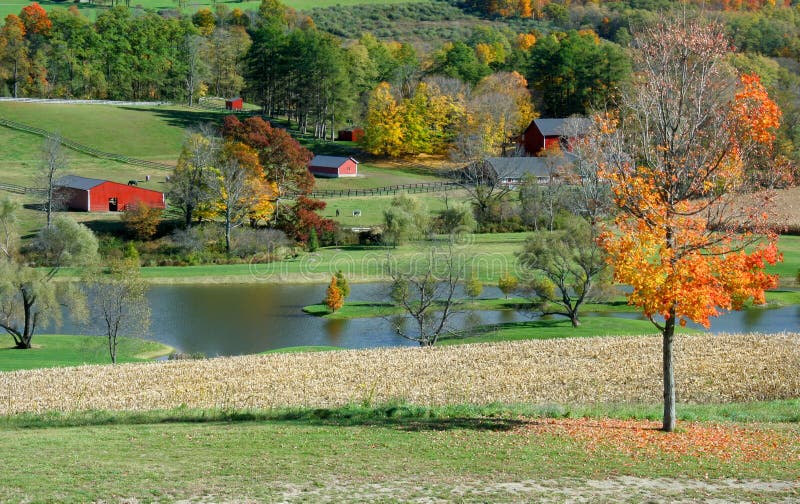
66, 350
398, 453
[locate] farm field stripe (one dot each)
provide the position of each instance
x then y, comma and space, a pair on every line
710, 369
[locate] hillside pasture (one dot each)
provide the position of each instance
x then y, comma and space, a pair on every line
154, 133
92, 10
22, 156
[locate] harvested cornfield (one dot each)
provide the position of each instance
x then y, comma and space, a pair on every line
581, 370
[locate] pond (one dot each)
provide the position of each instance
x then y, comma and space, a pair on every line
242, 319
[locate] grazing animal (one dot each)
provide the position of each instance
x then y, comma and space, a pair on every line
356, 213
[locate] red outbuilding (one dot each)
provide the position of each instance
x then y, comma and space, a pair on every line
543, 134
350, 135
234, 104
95, 195
333, 167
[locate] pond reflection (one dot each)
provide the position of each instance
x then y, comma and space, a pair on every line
242, 319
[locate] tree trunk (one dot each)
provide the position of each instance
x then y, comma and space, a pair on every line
669, 373
575, 321
112, 348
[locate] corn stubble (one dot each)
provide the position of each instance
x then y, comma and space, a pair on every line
710, 369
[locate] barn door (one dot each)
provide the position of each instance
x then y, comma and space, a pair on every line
112, 204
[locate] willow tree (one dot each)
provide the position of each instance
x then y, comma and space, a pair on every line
686, 131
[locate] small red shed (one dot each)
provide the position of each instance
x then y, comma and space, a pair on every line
543, 134
234, 104
350, 135
95, 195
333, 166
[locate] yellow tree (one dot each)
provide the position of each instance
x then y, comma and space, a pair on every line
674, 158
383, 132
499, 109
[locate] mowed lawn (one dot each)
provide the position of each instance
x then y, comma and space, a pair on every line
72, 350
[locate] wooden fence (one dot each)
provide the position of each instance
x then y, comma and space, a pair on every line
66, 142
18, 189
420, 187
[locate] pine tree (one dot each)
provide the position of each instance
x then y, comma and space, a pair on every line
343, 285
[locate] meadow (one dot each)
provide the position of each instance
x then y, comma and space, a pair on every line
92, 10
400, 453
72, 350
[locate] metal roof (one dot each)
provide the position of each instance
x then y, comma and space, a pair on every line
330, 161
556, 127
518, 167
76, 182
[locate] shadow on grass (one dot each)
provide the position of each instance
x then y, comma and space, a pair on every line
183, 118
400, 417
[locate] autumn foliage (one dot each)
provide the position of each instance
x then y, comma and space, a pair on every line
682, 144
333, 297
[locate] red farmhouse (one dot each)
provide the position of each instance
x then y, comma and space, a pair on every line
94, 195
233, 104
333, 167
542, 134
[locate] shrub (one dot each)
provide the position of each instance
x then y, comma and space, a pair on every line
141, 220
507, 284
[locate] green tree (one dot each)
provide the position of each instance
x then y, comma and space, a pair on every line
189, 185
566, 267
120, 304
459, 60
507, 284
29, 297
575, 71
473, 285
406, 218
342, 284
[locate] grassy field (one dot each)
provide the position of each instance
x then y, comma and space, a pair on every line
153, 133
378, 176
396, 454
492, 255
67, 350
540, 421
22, 157
91, 11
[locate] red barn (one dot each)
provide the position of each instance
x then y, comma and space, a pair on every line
333, 167
350, 135
234, 104
95, 195
543, 134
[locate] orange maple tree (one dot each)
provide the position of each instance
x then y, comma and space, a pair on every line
35, 19
683, 141
333, 297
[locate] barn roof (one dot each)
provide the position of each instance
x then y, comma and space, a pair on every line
76, 182
330, 161
556, 126
518, 167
